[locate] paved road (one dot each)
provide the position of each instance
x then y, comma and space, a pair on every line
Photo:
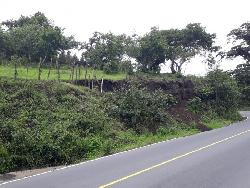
215, 159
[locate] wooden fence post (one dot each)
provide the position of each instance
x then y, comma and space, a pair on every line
15, 71
39, 68
49, 68
102, 85
76, 72
79, 72
58, 71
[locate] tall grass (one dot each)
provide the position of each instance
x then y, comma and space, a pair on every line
8, 71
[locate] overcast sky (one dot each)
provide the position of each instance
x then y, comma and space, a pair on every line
82, 17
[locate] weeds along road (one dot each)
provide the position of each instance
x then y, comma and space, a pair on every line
218, 158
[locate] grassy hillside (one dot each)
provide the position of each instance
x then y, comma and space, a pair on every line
8, 72
50, 123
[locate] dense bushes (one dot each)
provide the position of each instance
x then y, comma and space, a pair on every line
4, 159
217, 92
141, 109
46, 123
242, 76
245, 99
50, 123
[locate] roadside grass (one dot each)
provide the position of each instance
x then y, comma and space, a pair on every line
67, 124
217, 123
136, 141
146, 139
7, 71
245, 108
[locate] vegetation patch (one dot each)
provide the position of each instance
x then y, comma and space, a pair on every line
68, 124
65, 73
121, 99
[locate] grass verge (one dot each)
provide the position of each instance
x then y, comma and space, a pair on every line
8, 72
217, 123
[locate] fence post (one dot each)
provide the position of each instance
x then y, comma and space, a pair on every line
39, 68
79, 72
76, 72
49, 68
27, 67
89, 82
85, 77
102, 85
73, 72
58, 71
15, 71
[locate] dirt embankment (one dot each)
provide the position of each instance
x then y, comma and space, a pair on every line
182, 90
183, 115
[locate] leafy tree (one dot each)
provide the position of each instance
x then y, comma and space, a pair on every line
36, 36
220, 93
104, 51
151, 51
242, 76
184, 44
2, 43
141, 109
241, 41
175, 45
62, 58
37, 19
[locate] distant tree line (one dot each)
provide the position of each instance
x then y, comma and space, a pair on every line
36, 39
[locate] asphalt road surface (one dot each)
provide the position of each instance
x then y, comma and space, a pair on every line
216, 159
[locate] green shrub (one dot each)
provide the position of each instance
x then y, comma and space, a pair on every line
220, 93
140, 109
111, 67
4, 159
195, 105
48, 123
245, 98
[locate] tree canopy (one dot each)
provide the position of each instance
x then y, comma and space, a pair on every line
241, 40
242, 74
175, 45
35, 36
151, 52
104, 50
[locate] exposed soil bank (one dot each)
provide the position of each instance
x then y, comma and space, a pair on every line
182, 90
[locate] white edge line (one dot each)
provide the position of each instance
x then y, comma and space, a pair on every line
81, 163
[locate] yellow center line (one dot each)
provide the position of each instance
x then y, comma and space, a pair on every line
171, 160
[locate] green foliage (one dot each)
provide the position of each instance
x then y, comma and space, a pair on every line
217, 123
186, 43
241, 41
151, 53
242, 76
246, 95
105, 51
195, 105
2, 44
65, 71
4, 159
49, 124
220, 93
111, 67
140, 109
175, 45
34, 37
